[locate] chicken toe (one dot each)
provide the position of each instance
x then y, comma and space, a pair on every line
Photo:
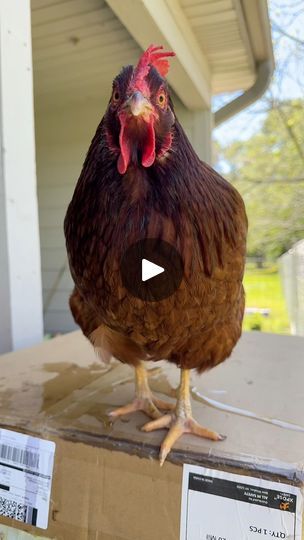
180, 421
144, 399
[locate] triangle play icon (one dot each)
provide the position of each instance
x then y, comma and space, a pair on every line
150, 270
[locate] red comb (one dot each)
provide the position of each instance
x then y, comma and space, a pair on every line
153, 58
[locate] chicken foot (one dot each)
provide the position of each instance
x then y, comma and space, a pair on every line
180, 420
144, 399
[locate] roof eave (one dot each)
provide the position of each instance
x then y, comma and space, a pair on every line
256, 18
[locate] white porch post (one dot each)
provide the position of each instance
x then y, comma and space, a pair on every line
198, 126
202, 134
21, 319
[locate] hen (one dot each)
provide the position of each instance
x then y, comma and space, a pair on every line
142, 179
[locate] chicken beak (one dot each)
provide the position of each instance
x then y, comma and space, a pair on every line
138, 105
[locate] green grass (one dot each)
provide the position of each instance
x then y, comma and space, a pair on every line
264, 290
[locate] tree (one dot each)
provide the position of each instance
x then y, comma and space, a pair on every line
268, 170
268, 165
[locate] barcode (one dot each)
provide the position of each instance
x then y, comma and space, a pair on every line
24, 457
21, 512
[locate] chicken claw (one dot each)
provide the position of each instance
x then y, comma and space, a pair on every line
180, 421
144, 399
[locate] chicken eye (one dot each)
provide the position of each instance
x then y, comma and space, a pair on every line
116, 96
161, 98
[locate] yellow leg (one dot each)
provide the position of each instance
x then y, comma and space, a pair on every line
144, 399
180, 421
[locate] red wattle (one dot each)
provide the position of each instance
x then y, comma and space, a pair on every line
148, 156
125, 150
127, 140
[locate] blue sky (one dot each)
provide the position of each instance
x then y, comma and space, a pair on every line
289, 55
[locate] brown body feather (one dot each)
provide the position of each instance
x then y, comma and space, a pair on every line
185, 202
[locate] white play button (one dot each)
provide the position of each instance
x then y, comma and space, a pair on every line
150, 270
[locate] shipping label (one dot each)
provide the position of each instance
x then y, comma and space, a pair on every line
26, 468
217, 505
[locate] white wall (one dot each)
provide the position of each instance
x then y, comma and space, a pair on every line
62, 140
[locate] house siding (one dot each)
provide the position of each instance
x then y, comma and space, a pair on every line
62, 139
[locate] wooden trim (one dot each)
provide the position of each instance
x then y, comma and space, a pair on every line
163, 22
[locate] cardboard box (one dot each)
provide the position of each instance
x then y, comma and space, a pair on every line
107, 483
